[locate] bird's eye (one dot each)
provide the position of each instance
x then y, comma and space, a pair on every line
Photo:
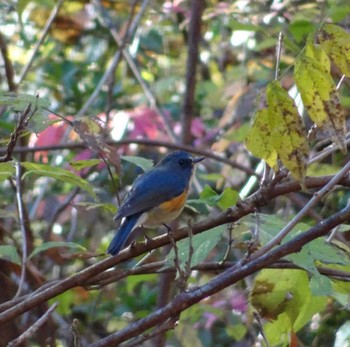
182, 162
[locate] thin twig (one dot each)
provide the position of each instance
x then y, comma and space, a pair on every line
326, 152
23, 228
44, 33
111, 68
278, 54
32, 329
340, 82
148, 93
261, 328
21, 124
58, 209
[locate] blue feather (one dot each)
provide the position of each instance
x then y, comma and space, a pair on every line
123, 233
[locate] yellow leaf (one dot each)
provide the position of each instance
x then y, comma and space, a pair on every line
319, 94
289, 134
336, 43
259, 139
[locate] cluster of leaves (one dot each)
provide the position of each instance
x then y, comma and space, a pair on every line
278, 131
69, 196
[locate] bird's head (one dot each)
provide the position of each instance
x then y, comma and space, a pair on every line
179, 161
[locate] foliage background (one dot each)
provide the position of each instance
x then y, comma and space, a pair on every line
142, 96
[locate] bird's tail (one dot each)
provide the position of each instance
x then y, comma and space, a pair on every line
122, 234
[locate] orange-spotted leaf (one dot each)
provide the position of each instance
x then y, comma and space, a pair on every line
259, 140
288, 132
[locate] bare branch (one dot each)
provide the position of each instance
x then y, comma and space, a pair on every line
194, 37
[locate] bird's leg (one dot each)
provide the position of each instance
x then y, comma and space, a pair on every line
168, 228
147, 238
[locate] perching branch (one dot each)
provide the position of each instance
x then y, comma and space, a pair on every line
170, 145
239, 271
258, 199
304, 211
21, 124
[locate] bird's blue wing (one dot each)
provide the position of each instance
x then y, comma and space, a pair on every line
150, 190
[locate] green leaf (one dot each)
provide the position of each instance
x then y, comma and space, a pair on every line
235, 25
238, 135
58, 174
284, 297
301, 29
9, 253
19, 102
209, 195
339, 12
202, 244
317, 250
321, 285
265, 44
53, 244
236, 331
144, 164
312, 254
152, 41
82, 164
212, 177
228, 198
259, 140
6, 170
336, 43
318, 91
321, 169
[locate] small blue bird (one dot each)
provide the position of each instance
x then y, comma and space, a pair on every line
157, 197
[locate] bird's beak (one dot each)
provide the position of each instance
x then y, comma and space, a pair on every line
197, 160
